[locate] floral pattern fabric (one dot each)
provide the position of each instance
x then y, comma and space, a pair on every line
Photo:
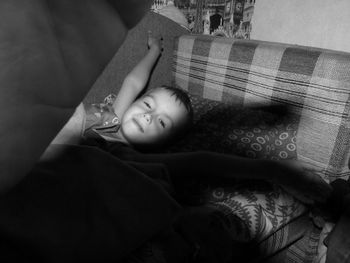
262, 133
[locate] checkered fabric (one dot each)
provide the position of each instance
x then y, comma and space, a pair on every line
313, 83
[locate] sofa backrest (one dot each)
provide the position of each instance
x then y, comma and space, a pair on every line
132, 51
313, 83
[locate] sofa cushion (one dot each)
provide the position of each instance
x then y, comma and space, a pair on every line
250, 132
51, 54
131, 52
314, 84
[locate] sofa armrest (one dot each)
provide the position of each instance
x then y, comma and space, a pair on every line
313, 84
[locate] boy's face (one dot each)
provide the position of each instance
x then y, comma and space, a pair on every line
153, 118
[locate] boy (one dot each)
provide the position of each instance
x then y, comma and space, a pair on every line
151, 120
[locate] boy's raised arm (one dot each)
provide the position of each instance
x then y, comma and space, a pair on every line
138, 77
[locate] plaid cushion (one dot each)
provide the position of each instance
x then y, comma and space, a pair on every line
313, 83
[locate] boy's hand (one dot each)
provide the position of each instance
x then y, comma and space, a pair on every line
154, 42
302, 181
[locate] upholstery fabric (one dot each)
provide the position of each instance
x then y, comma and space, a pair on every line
51, 53
250, 132
313, 83
264, 208
130, 53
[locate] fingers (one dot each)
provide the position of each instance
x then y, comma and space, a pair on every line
150, 35
154, 41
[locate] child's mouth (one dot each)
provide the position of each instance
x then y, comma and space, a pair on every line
138, 124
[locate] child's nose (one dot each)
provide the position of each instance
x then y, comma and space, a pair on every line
147, 117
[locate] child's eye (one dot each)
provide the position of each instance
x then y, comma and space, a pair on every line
162, 123
147, 104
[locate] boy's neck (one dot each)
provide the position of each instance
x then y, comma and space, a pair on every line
122, 138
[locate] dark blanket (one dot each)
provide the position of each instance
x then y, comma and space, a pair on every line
81, 204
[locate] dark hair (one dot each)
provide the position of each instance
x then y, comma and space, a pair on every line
183, 97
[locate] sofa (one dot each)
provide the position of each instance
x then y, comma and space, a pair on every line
35, 82
82, 204
255, 99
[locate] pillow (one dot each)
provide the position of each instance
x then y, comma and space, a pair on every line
262, 206
268, 133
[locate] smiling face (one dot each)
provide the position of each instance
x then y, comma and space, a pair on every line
153, 119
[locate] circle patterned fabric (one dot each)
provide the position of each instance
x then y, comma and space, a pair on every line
254, 133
